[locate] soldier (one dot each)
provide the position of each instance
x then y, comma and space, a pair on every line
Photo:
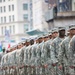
72, 56
63, 52
45, 60
26, 57
55, 48
38, 59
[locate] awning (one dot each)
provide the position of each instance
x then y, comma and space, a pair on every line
35, 32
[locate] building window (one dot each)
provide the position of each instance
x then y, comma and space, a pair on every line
2, 30
4, 19
25, 6
9, 18
4, 9
13, 17
26, 27
1, 9
12, 7
13, 28
9, 8
1, 19
25, 16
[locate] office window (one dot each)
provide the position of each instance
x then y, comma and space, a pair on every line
9, 8
9, 18
13, 28
12, 7
1, 19
25, 16
2, 30
12, 17
4, 19
4, 9
26, 27
0, 0
25, 6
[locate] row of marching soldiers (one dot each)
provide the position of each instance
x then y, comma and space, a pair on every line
50, 54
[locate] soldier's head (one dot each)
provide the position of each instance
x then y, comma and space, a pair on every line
27, 42
54, 33
40, 39
31, 41
72, 29
20, 45
61, 32
37, 41
50, 36
46, 38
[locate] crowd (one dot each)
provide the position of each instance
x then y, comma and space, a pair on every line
49, 54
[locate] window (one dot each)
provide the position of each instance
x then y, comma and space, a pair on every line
13, 28
12, 7
25, 16
25, 6
1, 9
9, 8
5, 29
26, 27
1, 19
9, 18
4, 9
2, 30
13, 17
4, 19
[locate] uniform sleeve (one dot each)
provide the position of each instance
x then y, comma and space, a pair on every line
53, 57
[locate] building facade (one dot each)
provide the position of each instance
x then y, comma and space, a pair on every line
64, 14
15, 16
39, 9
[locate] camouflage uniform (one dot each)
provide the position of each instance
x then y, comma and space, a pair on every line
63, 55
38, 59
54, 53
72, 56
26, 60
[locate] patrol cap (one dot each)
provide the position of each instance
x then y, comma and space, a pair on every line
40, 36
50, 32
72, 26
27, 40
54, 30
61, 28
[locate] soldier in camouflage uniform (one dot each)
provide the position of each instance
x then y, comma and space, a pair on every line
63, 52
72, 55
26, 57
55, 49
38, 59
45, 56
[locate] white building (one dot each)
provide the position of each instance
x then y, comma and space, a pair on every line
15, 17
39, 9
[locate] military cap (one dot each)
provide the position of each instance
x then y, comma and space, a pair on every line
54, 30
72, 26
61, 28
27, 40
40, 36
